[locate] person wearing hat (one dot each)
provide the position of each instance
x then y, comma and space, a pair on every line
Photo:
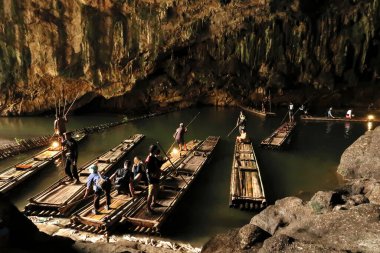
99, 185
179, 136
70, 147
153, 172
241, 121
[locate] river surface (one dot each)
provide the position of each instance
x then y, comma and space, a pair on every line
307, 166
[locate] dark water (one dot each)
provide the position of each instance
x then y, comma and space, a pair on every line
307, 166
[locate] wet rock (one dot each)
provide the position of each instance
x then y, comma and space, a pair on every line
355, 229
223, 243
362, 158
251, 234
324, 201
277, 244
281, 214
373, 193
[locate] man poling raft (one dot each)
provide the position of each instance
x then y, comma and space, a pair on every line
179, 137
179, 134
241, 123
61, 118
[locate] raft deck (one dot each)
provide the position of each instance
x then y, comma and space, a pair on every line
338, 119
258, 112
121, 204
61, 198
15, 175
279, 137
247, 190
173, 187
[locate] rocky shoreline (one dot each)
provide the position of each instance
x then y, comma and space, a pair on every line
35, 234
343, 220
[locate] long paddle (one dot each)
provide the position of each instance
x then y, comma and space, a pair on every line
173, 166
191, 121
70, 106
228, 135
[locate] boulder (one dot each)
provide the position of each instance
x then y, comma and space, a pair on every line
324, 201
279, 215
251, 234
362, 158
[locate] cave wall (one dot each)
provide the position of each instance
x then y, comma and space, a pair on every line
146, 54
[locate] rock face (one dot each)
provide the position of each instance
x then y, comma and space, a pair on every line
362, 159
145, 53
344, 220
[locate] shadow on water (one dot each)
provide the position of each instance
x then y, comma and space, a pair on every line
308, 165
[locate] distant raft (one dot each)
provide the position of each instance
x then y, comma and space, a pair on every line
258, 112
174, 184
246, 190
340, 119
280, 136
61, 198
15, 175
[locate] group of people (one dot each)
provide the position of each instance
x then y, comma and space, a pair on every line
126, 178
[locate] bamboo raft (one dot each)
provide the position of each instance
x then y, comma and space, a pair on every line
15, 175
280, 136
61, 198
339, 119
173, 186
24, 145
258, 112
247, 190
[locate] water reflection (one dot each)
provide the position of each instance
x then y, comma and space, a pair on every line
369, 126
347, 128
329, 127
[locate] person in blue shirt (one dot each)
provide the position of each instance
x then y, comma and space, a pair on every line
99, 185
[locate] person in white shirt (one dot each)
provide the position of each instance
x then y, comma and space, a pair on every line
349, 114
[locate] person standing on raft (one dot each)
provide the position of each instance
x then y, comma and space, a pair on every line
71, 157
60, 125
241, 121
179, 137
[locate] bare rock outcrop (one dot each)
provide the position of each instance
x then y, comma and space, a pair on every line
142, 54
